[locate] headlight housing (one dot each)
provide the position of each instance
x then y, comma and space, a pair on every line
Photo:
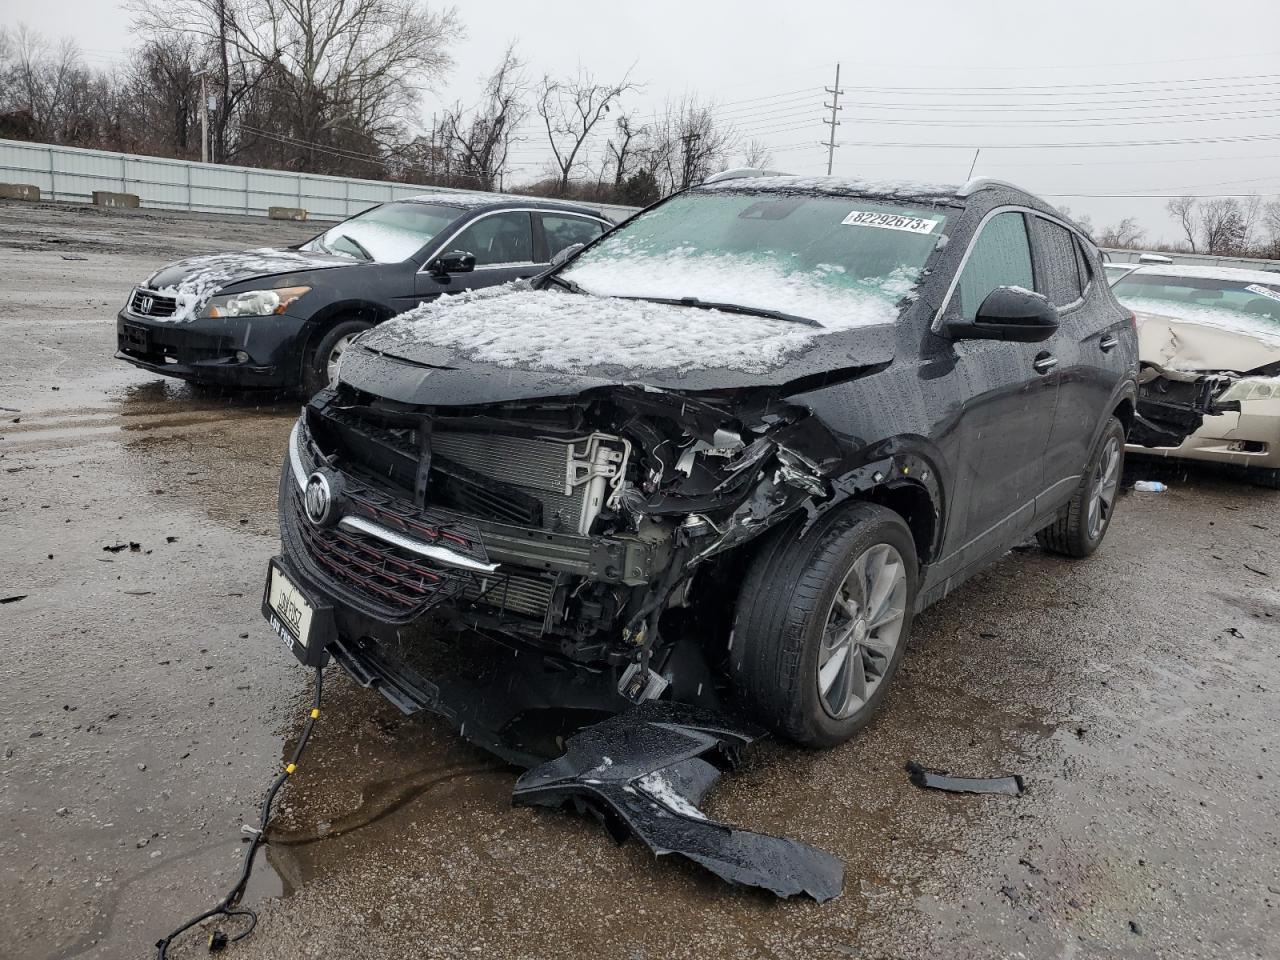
1253, 388
253, 303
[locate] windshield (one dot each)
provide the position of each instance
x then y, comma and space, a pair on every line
1209, 300
390, 233
840, 261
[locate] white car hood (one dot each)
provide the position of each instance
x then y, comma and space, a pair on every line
1181, 345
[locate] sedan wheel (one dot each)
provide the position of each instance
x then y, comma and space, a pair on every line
335, 354
863, 628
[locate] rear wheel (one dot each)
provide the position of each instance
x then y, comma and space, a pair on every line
1269, 478
321, 368
1083, 523
822, 622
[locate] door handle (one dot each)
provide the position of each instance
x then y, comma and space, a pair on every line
1044, 363
1107, 343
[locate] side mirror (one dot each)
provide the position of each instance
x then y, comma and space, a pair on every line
560, 256
455, 261
1009, 313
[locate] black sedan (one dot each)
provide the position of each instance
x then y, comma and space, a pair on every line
282, 318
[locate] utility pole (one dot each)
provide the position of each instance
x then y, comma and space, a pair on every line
204, 116
834, 107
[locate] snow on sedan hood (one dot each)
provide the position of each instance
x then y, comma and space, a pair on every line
560, 332
193, 281
1201, 338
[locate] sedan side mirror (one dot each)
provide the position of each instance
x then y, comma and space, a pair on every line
455, 261
561, 256
1009, 313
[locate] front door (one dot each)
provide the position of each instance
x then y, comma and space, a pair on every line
1010, 392
502, 244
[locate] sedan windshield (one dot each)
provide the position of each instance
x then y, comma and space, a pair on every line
839, 261
391, 233
1197, 299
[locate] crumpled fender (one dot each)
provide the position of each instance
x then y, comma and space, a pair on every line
643, 773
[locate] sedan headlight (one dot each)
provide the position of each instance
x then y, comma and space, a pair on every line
1253, 388
253, 303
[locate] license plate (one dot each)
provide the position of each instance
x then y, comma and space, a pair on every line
291, 611
135, 337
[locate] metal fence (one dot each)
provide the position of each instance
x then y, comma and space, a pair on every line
73, 174
1116, 255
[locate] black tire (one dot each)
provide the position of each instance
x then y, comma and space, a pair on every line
1070, 533
782, 611
315, 369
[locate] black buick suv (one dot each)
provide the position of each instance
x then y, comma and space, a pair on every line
726, 452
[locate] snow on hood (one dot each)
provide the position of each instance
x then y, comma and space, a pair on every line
561, 332
193, 281
1194, 342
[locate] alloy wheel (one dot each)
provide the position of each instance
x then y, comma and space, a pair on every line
1104, 485
862, 631
331, 365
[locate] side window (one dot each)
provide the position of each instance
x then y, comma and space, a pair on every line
1060, 281
497, 239
1083, 262
1001, 257
565, 231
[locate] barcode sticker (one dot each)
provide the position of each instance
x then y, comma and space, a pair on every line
890, 221
1263, 291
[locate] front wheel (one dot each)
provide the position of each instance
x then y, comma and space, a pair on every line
1079, 529
321, 368
822, 622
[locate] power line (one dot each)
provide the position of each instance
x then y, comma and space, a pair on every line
1056, 146
1004, 88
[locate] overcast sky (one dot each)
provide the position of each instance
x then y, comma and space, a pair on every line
952, 75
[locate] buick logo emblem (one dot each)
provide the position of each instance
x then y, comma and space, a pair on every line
145, 304
318, 499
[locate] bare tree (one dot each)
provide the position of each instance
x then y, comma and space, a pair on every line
622, 147
1250, 215
1222, 225
1082, 220
477, 143
570, 110
757, 155
47, 82
1126, 233
1183, 209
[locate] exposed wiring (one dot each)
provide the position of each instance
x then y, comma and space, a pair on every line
229, 906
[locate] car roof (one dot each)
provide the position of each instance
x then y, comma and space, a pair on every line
1199, 272
477, 201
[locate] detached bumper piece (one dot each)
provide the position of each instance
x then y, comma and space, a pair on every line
644, 772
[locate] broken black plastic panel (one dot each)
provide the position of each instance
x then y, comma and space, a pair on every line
937, 780
643, 774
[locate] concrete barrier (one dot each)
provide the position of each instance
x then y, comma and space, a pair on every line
104, 198
19, 191
286, 213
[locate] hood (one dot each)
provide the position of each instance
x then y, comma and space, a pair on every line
1186, 345
516, 344
194, 280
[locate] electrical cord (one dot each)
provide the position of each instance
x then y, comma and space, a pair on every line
229, 906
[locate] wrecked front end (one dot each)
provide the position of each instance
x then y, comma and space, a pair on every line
593, 530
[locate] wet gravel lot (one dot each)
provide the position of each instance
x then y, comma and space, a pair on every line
144, 705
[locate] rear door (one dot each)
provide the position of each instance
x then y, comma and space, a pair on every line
1010, 393
502, 243
1093, 356
563, 230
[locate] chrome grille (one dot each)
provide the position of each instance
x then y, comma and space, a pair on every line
148, 303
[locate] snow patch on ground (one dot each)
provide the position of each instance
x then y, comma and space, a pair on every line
205, 276
658, 787
564, 332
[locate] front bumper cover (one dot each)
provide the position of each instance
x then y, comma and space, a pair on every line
204, 350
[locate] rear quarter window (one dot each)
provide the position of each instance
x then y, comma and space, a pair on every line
1060, 266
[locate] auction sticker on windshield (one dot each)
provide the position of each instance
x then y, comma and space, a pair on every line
1264, 291
890, 221
292, 611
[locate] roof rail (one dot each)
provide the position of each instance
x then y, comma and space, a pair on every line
982, 183
738, 173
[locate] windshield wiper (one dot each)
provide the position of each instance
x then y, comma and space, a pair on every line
569, 285
730, 308
358, 245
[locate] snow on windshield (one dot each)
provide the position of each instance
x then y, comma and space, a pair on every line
205, 276
892, 189
1234, 321
559, 331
